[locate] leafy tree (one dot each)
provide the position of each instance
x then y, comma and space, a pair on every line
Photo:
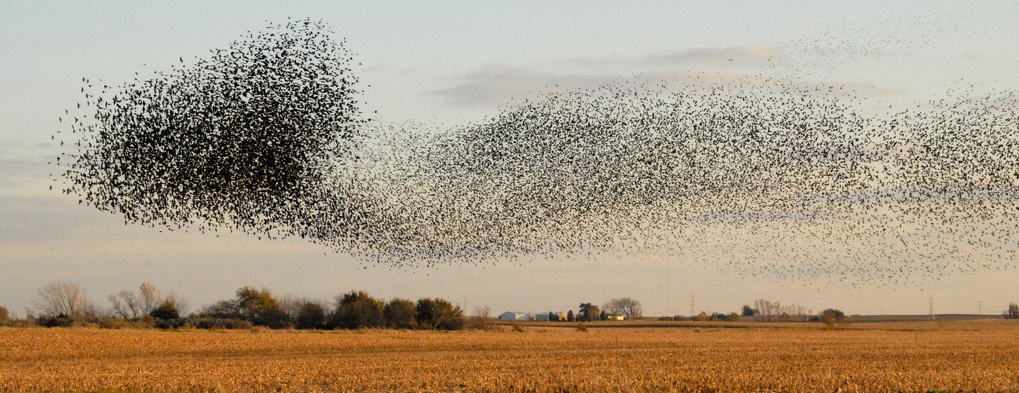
166, 311
223, 309
588, 312
748, 311
399, 314
834, 314
357, 310
438, 314
311, 316
582, 313
259, 308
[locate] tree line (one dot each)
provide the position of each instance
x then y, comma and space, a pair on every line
66, 304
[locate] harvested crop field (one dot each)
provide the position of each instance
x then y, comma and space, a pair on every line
950, 356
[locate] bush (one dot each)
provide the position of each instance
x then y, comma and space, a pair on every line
399, 314
111, 323
834, 314
171, 324
165, 311
581, 327
58, 321
218, 323
829, 322
311, 316
357, 310
438, 314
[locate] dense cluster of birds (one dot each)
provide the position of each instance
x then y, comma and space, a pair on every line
266, 137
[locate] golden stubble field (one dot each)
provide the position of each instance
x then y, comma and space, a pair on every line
950, 356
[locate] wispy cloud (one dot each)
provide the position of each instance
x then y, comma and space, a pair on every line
745, 55
497, 84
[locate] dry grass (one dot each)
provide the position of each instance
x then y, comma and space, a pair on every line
970, 356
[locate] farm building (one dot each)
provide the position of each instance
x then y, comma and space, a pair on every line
517, 316
544, 316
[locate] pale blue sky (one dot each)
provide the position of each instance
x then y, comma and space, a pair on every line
450, 63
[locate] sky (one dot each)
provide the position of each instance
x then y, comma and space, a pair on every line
451, 63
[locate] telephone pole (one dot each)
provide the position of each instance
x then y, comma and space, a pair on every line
693, 304
932, 307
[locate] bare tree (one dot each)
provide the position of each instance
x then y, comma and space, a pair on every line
150, 297
627, 307
480, 317
292, 305
126, 305
63, 298
772, 311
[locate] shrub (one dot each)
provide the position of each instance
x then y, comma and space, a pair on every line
111, 323
357, 310
399, 314
581, 327
165, 311
311, 316
171, 324
836, 315
438, 314
60, 320
829, 322
218, 323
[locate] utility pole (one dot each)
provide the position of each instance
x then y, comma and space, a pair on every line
693, 304
668, 312
465, 306
980, 305
932, 307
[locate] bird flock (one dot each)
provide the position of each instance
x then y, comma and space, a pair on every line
760, 175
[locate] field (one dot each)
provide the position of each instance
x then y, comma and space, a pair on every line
907, 356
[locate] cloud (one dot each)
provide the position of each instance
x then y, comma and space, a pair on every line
744, 55
497, 84
17, 173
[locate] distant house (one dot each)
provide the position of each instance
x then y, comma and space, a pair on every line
614, 317
544, 316
517, 316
